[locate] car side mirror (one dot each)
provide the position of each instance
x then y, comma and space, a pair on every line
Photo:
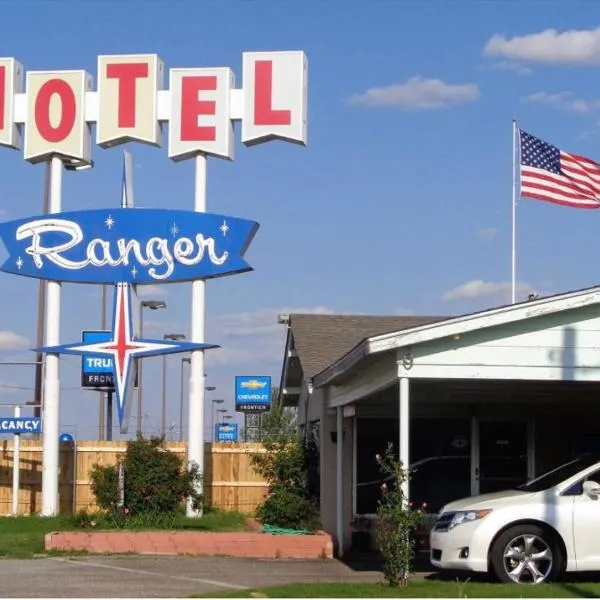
591, 488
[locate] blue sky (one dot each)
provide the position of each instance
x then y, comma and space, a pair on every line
400, 203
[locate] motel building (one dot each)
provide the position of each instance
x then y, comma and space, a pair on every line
474, 403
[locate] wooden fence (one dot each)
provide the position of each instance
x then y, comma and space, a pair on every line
230, 482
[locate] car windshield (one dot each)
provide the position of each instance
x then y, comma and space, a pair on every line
560, 474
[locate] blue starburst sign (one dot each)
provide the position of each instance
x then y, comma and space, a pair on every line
127, 245
123, 347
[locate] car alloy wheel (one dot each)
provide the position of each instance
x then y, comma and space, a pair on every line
528, 559
527, 553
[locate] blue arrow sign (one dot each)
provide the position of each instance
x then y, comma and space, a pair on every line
134, 245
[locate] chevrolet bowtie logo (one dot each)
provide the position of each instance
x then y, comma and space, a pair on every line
253, 384
226, 428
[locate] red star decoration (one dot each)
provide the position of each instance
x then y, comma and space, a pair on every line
121, 344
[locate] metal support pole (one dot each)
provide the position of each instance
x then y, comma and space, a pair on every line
51, 408
404, 429
140, 363
197, 384
109, 416
16, 466
39, 357
213, 408
102, 395
163, 412
181, 404
339, 478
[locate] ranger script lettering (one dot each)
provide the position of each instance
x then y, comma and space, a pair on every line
156, 253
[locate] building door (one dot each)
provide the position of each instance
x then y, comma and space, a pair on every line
499, 458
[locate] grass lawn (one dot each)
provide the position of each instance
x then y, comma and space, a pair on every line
22, 537
419, 589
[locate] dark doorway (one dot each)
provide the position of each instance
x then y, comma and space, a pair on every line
502, 455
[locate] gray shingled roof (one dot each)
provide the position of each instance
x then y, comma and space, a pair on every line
320, 340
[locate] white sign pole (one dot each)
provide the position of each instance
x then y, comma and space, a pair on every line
51, 408
197, 383
16, 466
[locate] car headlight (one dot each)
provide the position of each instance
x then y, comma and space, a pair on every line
467, 516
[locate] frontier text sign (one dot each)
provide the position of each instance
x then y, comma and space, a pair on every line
57, 108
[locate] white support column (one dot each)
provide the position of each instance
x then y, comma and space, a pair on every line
197, 383
51, 390
16, 466
339, 479
404, 428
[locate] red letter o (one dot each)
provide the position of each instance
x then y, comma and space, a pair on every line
67, 112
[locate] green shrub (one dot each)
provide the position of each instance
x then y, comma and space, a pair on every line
289, 501
155, 480
285, 507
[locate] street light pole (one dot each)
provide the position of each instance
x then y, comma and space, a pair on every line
163, 422
212, 417
220, 411
152, 305
183, 361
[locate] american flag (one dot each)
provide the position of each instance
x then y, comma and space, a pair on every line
550, 174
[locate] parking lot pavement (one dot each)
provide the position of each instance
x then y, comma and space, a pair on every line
160, 576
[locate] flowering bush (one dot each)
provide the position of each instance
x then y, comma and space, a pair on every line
397, 520
156, 481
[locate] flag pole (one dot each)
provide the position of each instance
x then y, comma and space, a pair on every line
514, 212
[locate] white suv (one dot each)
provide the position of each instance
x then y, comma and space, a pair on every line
529, 534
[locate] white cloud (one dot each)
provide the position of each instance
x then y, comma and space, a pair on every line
496, 291
9, 340
9, 388
487, 234
417, 93
253, 338
507, 65
152, 291
262, 321
564, 101
155, 327
549, 46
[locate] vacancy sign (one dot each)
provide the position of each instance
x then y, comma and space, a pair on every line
51, 112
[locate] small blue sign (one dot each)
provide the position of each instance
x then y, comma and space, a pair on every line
133, 245
17, 425
252, 393
96, 369
66, 438
226, 432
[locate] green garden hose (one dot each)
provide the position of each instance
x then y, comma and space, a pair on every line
282, 531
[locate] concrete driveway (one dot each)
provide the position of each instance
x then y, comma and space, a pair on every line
160, 576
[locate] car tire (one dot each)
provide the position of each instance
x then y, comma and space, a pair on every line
527, 554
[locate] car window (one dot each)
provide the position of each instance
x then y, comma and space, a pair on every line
577, 488
559, 474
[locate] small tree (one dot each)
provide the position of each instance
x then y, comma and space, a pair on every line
396, 520
288, 467
155, 479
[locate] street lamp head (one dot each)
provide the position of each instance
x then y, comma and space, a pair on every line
174, 336
228, 417
210, 388
75, 164
153, 304
218, 401
186, 360
221, 410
